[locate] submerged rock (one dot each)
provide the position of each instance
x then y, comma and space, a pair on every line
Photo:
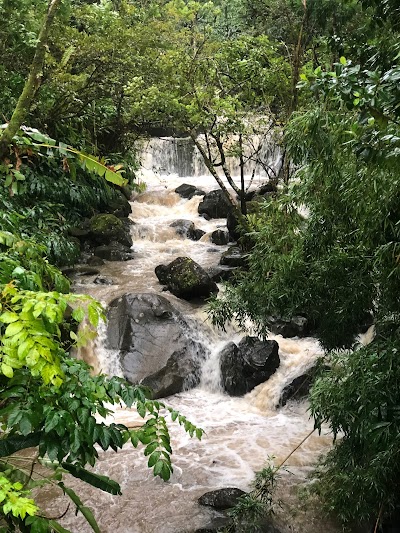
186, 279
186, 228
221, 273
215, 205
114, 252
153, 343
188, 191
103, 280
246, 365
221, 498
234, 257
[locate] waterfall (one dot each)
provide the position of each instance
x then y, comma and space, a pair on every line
165, 156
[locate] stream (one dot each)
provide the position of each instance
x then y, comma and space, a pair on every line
240, 433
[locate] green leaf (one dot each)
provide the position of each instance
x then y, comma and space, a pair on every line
154, 457
14, 443
13, 328
103, 483
150, 448
9, 317
7, 370
78, 314
87, 513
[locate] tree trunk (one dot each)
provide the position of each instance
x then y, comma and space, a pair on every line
298, 53
212, 170
243, 206
32, 83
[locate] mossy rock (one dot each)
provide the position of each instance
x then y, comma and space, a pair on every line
107, 228
186, 279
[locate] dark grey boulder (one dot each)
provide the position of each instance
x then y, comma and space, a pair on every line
232, 375
221, 499
296, 390
107, 229
246, 365
188, 191
114, 252
266, 189
220, 237
296, 326
215, 205
261, 359
120, 207
153, 343
234, 257
186, 279
186, 228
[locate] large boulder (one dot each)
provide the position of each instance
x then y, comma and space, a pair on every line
186, 228
246, 365
107, 229
120, 206
297, 326
215, 205
186, 279
188, 191
153, 346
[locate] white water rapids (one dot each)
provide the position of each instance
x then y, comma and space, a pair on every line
240, 433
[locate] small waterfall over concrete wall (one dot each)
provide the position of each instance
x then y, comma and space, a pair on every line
179, 156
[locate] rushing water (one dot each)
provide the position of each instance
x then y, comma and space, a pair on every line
240, 433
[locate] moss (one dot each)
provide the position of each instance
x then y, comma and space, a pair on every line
105, 223
188, 277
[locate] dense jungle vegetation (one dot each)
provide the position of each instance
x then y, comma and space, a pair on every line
80, 77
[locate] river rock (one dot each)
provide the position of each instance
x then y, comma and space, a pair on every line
221, 273
234, 257
93, 260
296, 326
186, 279
114, 252
120, 207
264, 190
297, 389
221, 498
153, 343
188, 191
246, 365
107, 229
215, 205
220, 237
103, 280
186, 228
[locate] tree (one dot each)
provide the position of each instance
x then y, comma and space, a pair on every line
32, 83
218, 92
